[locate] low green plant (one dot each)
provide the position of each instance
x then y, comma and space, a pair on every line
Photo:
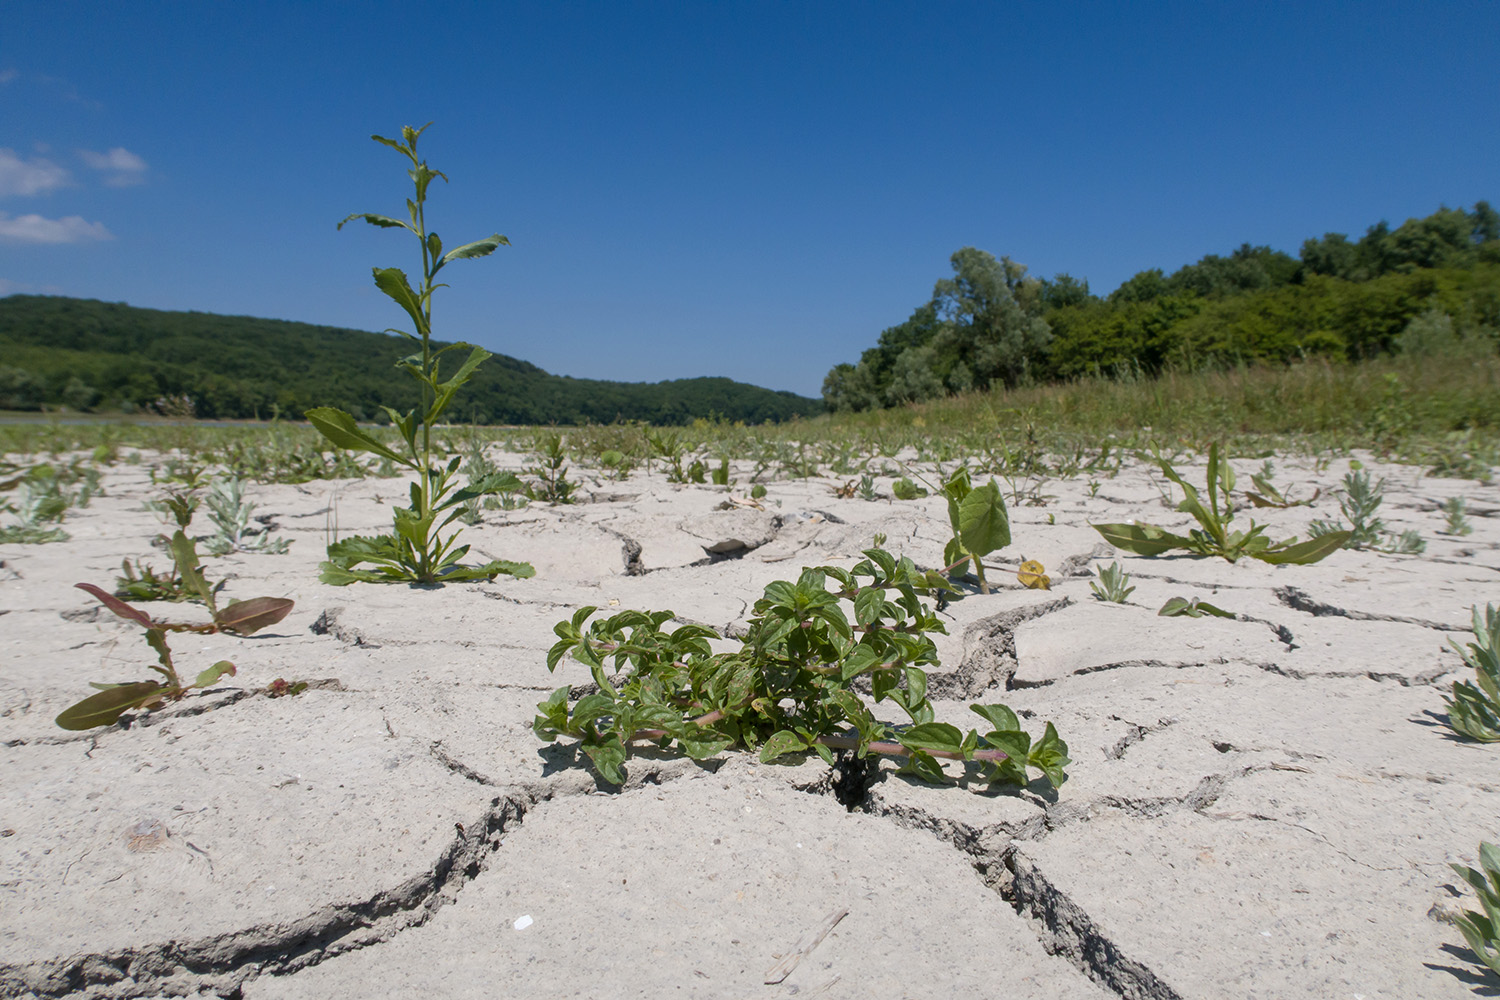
1268, 494
867, 489
1182, 607
905, 489
793, 685
979, 521
552, 484
757, 491
1474, 709
231, 515
1214, 536
417, 551
1482, 929
37, 509
237, 617
1455, 510
1360, 502
1113, 585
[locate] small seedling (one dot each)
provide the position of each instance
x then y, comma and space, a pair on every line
979, 521
905, 489
238, 617
416, 551
1268, 494
1454, 509
230, 513
1474, 709
1113, 585
552, 484
758, 491
141, 582
1177, 607
793, 686
283, 688
1482, 929
1213, 537
37, 509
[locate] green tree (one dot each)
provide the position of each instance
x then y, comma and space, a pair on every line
992, 315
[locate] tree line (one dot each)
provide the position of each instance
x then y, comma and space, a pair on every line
91, 355
1432, 283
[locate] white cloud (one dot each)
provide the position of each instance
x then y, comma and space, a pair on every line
33, 176
125, 168
36, 229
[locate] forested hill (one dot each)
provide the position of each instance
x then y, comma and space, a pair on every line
87, 354
1429, 285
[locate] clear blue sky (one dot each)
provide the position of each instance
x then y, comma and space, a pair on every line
744, 189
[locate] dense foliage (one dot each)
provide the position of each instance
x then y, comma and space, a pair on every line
1431, 285
86, 354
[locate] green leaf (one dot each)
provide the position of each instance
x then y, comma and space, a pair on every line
340, 429
999, 716
117, 606
392, 281
104, 708
1142, 539
781, 744
983, 524
553, 720
213, 673
932, 736
448, 388
479, 248
383, 221
924, 766
1180, 606
248, 617
185, 553
608, 758
1050, 755
868, 605
1302, 553
1016, 745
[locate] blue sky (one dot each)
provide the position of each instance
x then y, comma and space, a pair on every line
744, 189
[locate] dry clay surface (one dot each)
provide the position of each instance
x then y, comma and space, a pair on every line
1260, 807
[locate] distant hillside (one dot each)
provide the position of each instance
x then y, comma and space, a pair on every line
88, 354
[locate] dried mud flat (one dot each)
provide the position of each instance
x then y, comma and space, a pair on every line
1263, 807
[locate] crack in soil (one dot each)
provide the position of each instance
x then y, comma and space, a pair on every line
1118, 665
223, 963
1136, 734
1425, 679
989, 654
1299, 600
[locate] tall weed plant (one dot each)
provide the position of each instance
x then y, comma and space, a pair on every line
417, 551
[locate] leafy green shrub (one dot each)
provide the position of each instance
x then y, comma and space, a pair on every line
417, 550
790, 687
1474, 710
1214, 537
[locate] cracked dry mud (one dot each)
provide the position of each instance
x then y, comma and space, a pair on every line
1262, 807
